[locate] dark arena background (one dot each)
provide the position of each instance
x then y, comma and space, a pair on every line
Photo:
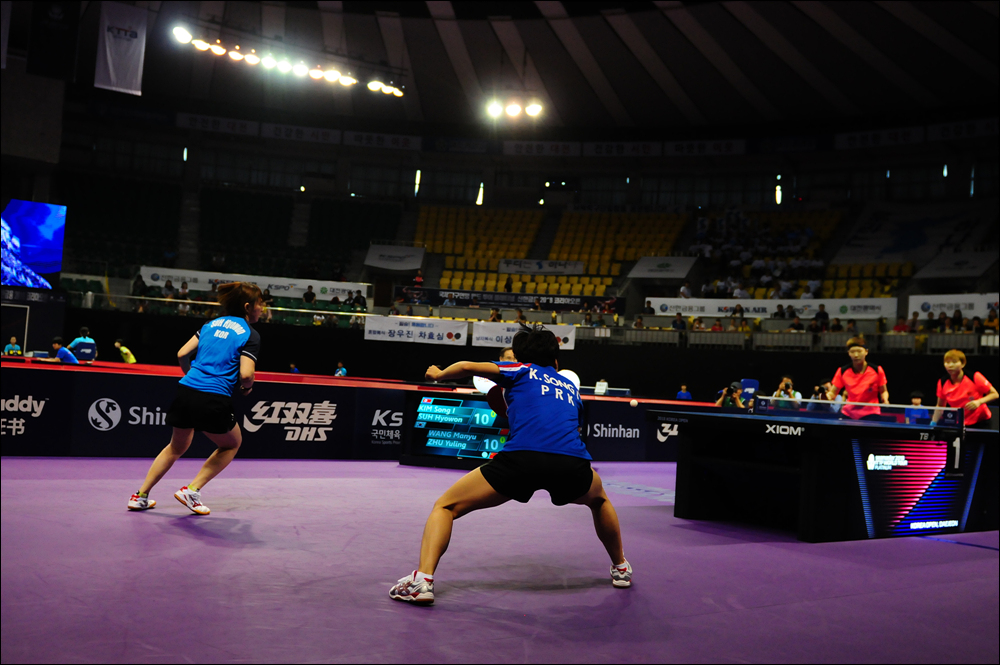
704, 201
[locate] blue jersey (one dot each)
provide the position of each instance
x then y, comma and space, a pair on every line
66, 356
221, 342
543, 408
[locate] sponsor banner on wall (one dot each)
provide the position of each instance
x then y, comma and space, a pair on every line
662, 267
704, 148
542, 148
378, 423
623, 149
208, 123
502, 300
532, 267
971, 304
965, 264
968, 129
485, 333
33, 411
879, 138
852, 308
270, 130
406, 329
613, 432
121, 48
314, 421
390, 141
395, 257
283, 287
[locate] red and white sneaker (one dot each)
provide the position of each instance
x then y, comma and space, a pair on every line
409, 590
621, 576
192, 499
137, 502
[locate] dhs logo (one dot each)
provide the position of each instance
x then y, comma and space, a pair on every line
104, 414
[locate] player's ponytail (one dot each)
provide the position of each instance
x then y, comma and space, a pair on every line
235, 296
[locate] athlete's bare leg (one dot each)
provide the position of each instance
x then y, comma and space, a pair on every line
228, 445
605, 519
180, 441
470, 492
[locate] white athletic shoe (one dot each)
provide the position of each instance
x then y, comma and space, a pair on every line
192, 499
137, 502
621, 576
420, 593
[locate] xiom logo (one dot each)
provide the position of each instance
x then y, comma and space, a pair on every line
787, 430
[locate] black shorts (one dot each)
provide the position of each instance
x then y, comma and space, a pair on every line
205, 412
519, 473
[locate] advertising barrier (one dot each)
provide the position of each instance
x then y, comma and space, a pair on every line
395, 257
845, 308
406, 329
502, 334
202, 280
662, 267
502, 300
971, 304
531, 267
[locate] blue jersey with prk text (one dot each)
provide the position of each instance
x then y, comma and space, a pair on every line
543, 408
221, 342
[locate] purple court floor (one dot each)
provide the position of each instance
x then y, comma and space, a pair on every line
295, 562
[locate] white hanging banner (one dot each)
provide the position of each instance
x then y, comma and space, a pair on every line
963, 264
662, 267
406, 329
282, 287
534, 267
485, 333
121, 48
844, 308
395, 257
971, 304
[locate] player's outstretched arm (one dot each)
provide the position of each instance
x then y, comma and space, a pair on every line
462, 370
184, 353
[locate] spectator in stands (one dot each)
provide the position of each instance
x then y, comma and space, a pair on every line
183, 294
779, 313
992, 323
814, 285
717, 326
409, 310
916, 410
948, 328
914, 323
815, 327
790, 312
683, 392
820, 393
852, 327
786, 394
734, 325
139, 286
822, 316
309, 297
737, 312
127, 355
60, 354
679, 323
708, 289
730, 396
901, 326
685, 290
942, 317
12, 348
475, 303
741, 293
519, 316
494, 315
360, 301
393, 310
976, 326
293, 369
508, 285
956, 320
698, 325
168, 290
836, 325
966, 325
418, 279
638, 322
648, 309
588, 320
600, 323
449, 301
796, 326
930, 323
536, 306
84, 347
341, 370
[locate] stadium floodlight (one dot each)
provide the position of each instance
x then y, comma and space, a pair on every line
387, 89
375, 85
513, 109
777, 194
217, 48
268, 62
284, 66
331, 75
252, 58
479, 199
300, 69
944, 173
200, 45
316, 73
494, 109
533, 109
182, 35
236, 55
397, 92
347, 80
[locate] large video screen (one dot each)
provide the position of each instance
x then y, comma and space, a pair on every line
32, 242
458, 426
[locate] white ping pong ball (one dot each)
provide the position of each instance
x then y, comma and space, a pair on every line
633, 403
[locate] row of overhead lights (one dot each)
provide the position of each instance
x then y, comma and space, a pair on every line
283, 65
512, 108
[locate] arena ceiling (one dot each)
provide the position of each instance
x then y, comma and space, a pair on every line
615, 66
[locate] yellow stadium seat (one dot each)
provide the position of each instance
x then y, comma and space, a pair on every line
588, 290
760, 293
599, 290
530, 287
551, 279
479, 286
605, 268
606, 281
460, 262
576, 289
574, 279
444, 283
563, 279
866, 292
543, 287
456, 283
906, 270
584, 280
853, 292
449, 262
616, 269
881, 269
565, 288
868, 270
467, 284
843, 271
539, 278
446, 274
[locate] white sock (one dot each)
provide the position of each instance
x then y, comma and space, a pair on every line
417, 576
623, 566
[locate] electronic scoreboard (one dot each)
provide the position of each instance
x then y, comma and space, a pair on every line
453, 430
